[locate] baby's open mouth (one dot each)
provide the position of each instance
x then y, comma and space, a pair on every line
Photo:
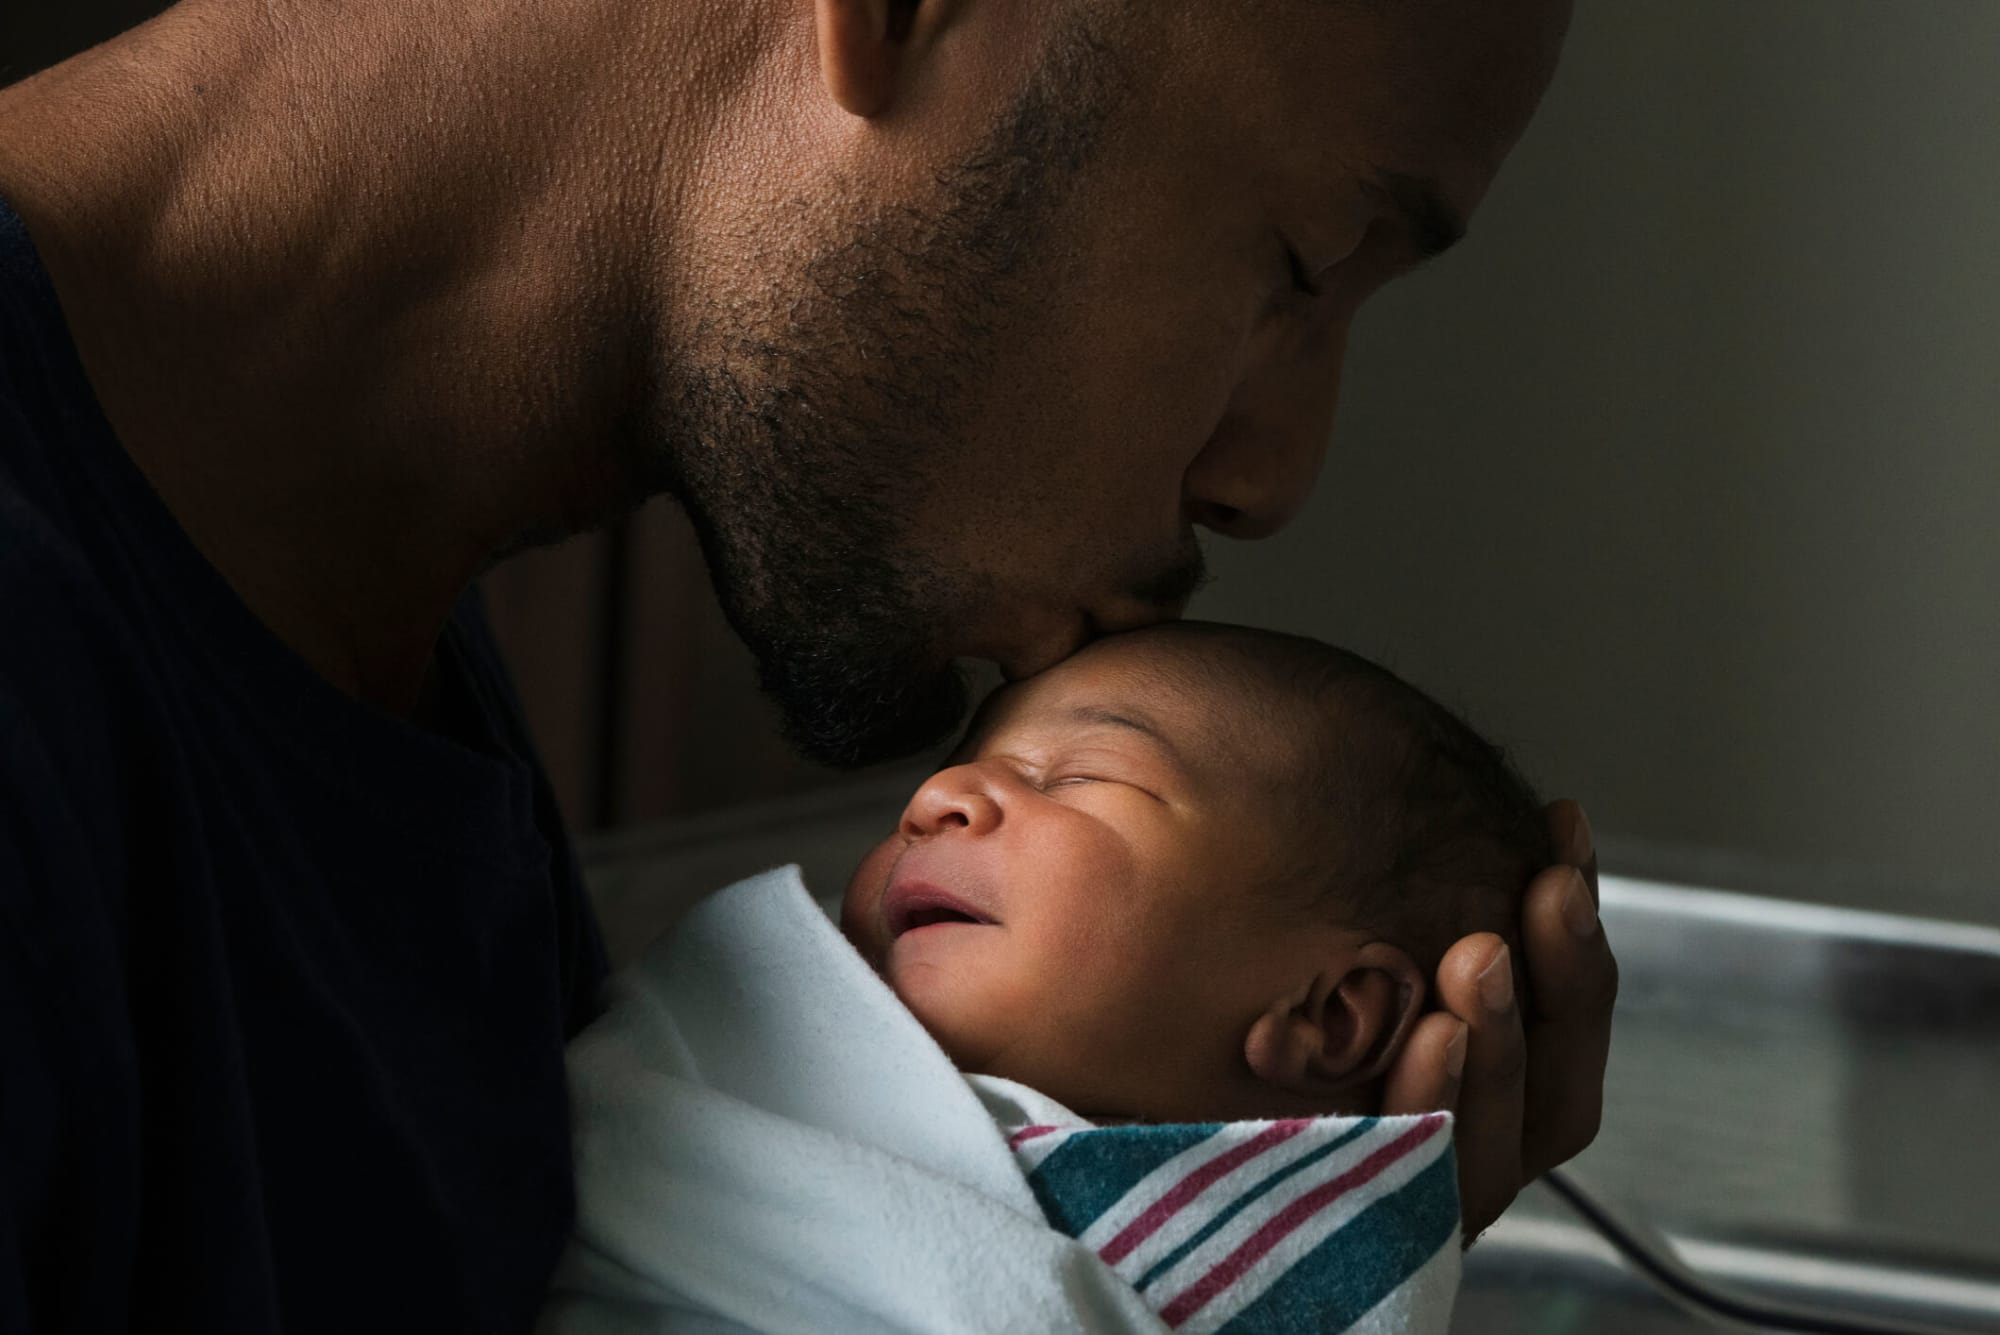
932, 917
912, 907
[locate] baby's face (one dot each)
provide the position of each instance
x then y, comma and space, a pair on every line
1076, 902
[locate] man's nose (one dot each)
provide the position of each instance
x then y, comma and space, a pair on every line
1259, 465
959, 798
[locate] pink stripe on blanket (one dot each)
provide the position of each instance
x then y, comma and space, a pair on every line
1275, 1230
1028, 1133
1160, 1211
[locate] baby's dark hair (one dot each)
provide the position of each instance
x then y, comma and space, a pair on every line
1407, 822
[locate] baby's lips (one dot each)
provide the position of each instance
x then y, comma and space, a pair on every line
910, 901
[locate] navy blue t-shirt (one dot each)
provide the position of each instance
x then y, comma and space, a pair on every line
284, 981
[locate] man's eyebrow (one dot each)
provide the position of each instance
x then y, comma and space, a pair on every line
1431, 223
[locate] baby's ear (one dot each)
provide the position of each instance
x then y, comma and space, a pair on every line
1343, 1029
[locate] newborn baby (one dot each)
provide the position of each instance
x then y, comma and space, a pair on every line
1082, 1059
1195, 873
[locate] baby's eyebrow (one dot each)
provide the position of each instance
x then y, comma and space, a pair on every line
1135, 722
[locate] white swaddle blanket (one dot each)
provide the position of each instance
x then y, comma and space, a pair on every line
767, 1140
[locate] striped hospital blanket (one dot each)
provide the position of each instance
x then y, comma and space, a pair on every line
1326, 1224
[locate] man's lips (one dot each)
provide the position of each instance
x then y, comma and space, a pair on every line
910, 905
1052, 647
1161, 598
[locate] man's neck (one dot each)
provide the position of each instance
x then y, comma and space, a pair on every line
362, 318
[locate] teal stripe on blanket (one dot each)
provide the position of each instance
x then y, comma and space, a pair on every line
1341, 1280
1094, 1170
1238, 1205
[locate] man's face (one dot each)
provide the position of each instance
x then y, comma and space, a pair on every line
1079, 900
982, 414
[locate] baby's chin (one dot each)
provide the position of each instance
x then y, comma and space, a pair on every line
968, 1046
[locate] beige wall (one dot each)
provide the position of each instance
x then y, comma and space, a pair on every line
1684, 476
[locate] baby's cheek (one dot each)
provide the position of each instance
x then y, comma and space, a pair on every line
864, 893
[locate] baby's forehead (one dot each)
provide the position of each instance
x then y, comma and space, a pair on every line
1191, 698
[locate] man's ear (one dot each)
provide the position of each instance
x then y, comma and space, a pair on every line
1343, 1029
864, 46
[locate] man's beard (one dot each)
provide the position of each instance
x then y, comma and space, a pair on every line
804, 435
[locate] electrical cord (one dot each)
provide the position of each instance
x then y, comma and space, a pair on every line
1653, 1258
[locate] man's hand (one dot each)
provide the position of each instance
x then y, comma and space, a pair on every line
1528, 1089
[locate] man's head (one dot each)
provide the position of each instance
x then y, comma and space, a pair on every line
985, 305
1195, 872
949, 321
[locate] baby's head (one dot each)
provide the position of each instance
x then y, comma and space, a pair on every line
1195, 872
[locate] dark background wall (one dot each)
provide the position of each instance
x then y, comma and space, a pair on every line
1685, 476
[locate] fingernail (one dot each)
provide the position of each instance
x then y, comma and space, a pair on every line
1454, 1055
1496, 983
1577, 910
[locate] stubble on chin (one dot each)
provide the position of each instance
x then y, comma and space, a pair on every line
807, 423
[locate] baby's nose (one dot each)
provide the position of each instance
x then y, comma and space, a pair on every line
952, 799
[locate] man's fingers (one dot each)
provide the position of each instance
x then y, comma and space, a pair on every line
1476, 984
1575, 981
1570, 836
1532, 1088
1426, 1075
